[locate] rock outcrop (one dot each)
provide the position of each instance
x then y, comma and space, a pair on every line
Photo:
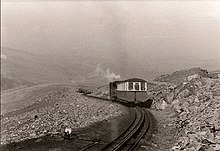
194, 99
198, 116
181, 76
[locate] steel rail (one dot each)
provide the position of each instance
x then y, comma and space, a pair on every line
130, 138
129, 134
133, 135
88, 146
120, 140
143, 132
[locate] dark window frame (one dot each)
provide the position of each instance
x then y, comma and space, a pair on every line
137, 85
143, 88
130, 85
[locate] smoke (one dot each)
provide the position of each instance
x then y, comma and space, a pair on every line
3, 56
110, 76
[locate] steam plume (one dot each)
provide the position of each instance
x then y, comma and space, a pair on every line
110, 76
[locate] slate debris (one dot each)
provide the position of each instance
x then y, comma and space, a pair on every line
198, 116
195, 103
180, 76
61, 112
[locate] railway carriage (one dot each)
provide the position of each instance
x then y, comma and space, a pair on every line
132, 90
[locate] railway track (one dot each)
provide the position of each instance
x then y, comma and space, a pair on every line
130, 138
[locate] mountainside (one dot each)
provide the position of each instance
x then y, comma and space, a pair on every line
47, 110
7, 83
22, 67
19, 97
194, 106
31, 67
180, 76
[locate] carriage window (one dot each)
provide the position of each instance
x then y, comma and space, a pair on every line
130, 85
143, 86
136, 86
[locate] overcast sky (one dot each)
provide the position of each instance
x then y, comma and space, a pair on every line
175, 34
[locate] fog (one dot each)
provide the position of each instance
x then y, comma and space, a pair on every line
145, 37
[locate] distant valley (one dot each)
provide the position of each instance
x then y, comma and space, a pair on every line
91, 68
28, 68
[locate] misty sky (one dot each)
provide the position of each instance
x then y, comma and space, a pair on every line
156, 35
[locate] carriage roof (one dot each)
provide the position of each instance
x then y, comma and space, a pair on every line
130, 80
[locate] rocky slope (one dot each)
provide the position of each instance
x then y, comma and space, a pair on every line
52, 114
194, 100
198, 116
180, 76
